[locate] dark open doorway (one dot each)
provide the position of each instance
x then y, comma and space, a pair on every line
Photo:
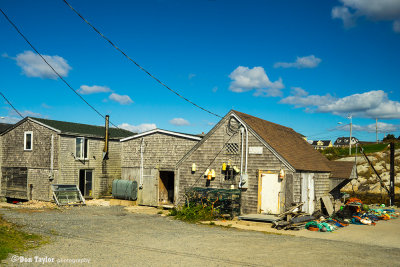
85, 182
166, 187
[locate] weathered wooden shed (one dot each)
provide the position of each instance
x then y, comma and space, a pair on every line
39, 152
150, 159
342, 173
272, 165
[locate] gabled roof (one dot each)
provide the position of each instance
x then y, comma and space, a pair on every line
341, 169
345, 140
324, 142
287, 143
76, 129
73, 128
176, 134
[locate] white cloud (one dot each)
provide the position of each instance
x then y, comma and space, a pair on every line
343, 13
307, 100
245, 79
301, 63
85, 89
191, 76
122, 99
32, 65
298, 91
382, 10
179, 122
138, 128
215, 89
372, 104
25, 113
11, 120
371, 128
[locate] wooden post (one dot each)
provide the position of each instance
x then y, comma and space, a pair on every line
106, 137
391, 173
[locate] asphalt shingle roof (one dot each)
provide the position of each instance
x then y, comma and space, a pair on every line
287, 143
341, 169
84, 129
4, 126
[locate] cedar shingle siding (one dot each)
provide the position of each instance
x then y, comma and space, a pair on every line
162, 151
282, 148
31, 170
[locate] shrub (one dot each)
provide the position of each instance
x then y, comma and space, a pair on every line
194, 213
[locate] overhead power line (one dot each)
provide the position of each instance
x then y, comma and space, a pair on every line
37, 52
137, 64
11, 105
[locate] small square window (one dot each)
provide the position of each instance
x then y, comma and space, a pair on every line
81, 148
28, 140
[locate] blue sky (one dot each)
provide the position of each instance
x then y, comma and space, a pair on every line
303, 64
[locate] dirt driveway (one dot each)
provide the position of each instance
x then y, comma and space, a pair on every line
112, 236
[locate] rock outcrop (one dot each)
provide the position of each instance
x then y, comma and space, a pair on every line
367, 181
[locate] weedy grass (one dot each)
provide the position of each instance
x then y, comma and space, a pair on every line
333, 153
194, 213
13, 240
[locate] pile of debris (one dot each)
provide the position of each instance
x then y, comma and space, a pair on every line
293, 219
353, 212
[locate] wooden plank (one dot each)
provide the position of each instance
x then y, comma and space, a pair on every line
328, 204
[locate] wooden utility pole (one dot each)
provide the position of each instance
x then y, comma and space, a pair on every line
106, 137
391, 173
351, 127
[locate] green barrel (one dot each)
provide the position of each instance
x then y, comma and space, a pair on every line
124, 189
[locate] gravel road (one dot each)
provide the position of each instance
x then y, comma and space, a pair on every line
111, 236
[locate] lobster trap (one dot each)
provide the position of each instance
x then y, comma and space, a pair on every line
226, 201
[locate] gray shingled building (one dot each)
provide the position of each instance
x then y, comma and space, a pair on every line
271, 164
36, 153
150, 159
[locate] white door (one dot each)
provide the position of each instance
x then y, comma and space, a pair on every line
270, 188
307, 192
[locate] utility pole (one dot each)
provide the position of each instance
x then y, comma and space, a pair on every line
391, 173
351, 127
376, 126
106, 137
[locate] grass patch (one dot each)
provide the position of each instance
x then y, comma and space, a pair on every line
333, 153
194, 213
13, 240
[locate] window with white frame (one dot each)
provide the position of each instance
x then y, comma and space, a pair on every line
81, 145
28, 140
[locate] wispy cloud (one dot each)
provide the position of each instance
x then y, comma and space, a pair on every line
371, 128
86, 89
191, 76
32, 65
300, 63
138, 128
44, 105
179, 122
372, 104
122, 99
245, 79
383, 10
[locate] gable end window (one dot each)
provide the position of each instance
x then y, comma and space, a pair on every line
28, 140
81, 148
